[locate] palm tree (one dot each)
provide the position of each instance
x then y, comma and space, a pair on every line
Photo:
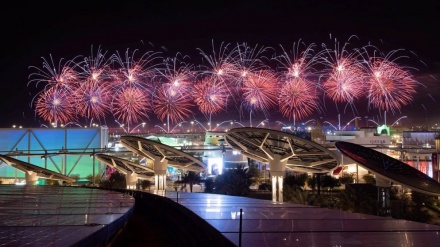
190, 178
234, 182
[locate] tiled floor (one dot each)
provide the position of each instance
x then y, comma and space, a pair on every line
56, 215
273, 224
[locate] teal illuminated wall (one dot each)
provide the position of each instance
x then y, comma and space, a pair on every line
65, 150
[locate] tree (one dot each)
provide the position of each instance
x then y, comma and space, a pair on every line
296, 180
144, 184
116, 181
191, 178
233, 182
209, 185
297, 195
330, 182
97, 178
369, 179
347, 178
74, 176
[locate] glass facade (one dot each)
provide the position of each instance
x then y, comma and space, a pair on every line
68, 151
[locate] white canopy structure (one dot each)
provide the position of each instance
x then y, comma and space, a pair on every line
162, 156
281, 151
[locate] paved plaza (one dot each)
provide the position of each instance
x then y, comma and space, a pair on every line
265, 223
60, 215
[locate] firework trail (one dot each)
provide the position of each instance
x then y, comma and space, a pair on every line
249, 60
299, 62
95, 68
178, 75
133, 71
221, 63
61, 76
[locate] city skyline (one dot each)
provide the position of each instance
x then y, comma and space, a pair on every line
65, 33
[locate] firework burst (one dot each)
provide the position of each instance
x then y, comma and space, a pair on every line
92, 100
62, 75
55, 105
210, 97
178, 75
346, 82
297, 99
221, 64
96, 67
249, 60
259, 91
130, 105
133, 71
299, 62
173, 106
345, 79
390, 86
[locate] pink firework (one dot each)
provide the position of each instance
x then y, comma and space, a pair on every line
96, 68
130, 105
259, 90
390, 86
55, 105
178, 75
61, 76
222, 63
210, 96
171, 104
298, 62
345, 83
93, 100
297, 99
133, 71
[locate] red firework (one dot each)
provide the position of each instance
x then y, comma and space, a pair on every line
93, 100
171, 104
61, 76
130, 105
134, 72
210, 96
297, 99
299, 61
259, 90
55, 105
178, 75
346, 81
390, 87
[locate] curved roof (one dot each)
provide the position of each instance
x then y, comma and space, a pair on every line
154, 150
389, 168
126, 166
302, 155
40, 171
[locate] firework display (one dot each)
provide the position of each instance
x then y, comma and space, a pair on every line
135, 86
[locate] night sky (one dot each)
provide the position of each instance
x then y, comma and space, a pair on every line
31, 30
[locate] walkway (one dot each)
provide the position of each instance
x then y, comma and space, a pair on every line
269, 224
60, 215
